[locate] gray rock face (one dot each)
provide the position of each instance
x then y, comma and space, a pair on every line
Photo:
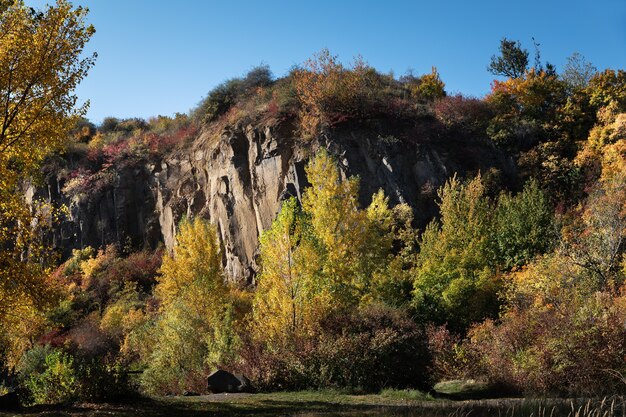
238, 178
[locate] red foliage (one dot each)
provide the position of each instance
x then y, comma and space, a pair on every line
575, 349
55, 338
272, 107
114, 151
370, 348
444, 348
88, 338
462, 112
159, 143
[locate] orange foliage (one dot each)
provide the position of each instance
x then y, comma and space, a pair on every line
327, 90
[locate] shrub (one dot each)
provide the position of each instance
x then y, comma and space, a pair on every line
329, 93
575, 348
101, 381
426, 88
448, 359
465, 114
227, 94
373, 347
369, 348
49, 375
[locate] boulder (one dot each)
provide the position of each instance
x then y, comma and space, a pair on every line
222, 381
9, 401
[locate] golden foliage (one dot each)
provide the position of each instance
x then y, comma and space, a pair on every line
40, 66
327, 255
289, 294
194, 327
352, 239
194, 265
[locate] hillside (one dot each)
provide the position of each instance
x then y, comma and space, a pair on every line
339, 227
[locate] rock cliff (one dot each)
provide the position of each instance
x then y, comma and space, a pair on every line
237, 177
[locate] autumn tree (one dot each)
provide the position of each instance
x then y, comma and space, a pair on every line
608, 88
595, 239
329, 92
41, 63
428, 87
327, 255
526, 109
352, 245
289, 295
193, 330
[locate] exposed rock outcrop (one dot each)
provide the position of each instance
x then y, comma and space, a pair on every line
238, 177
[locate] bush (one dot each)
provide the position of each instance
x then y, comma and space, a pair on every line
369, 348
49, 375
227, 94
100, 381
372, 348
466, 114
575, 348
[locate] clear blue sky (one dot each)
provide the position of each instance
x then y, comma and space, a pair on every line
161, 57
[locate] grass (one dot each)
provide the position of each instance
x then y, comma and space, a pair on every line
302, 403
327, 403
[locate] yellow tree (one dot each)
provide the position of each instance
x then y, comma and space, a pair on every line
195, 260
40, 66
329, 254
289, 296
353, 241
194, 325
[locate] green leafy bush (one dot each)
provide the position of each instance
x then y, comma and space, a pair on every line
49, 375
225, 95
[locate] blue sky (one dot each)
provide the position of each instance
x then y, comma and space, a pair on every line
162, 57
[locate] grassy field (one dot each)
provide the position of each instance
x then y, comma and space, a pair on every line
284, 403
389, 403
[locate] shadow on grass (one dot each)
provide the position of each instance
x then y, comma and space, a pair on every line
258, 406
264, 407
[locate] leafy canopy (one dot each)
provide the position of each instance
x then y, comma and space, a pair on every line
41, 64
512, 61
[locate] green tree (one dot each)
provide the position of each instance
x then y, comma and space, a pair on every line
512, 61
454, 279
523, 226
461, 256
